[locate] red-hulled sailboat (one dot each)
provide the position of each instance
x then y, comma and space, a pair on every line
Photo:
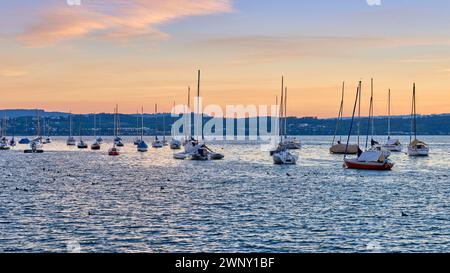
369, 160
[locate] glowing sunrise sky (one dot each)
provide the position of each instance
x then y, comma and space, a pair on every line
87, 58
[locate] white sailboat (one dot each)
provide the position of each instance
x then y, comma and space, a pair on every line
81, 144
117, 139
374, 145
290, 142
157, 143
36, 145
25, 140
137, 139
99, 130
71, 140
47, 140
95, 145
4, 143
193, 149
393, 145
337, 147
175, 144
416, 146
142, 147
282, 155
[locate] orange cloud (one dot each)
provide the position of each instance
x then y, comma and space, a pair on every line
11, 72
114, 19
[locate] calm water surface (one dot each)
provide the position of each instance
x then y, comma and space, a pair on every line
153, 203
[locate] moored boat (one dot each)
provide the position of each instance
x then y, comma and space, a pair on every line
416, 147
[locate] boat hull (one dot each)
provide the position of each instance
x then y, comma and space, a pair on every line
418, 152
393, 148
373, 166
95, 147
340, 149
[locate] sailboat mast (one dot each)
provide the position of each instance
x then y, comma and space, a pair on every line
95, 126
370, 122
38, 127
285, 112
358, 97
359, 111
339, 117
389, 114
156, 123
415, 111
371, 114
281, 111
70, 124
142, 123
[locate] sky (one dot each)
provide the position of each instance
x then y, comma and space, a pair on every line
88, 57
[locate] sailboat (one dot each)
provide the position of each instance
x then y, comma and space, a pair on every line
367, 160
157, 143
193, 149
374, 145
47, 140
291, 143
36, 145
99, 139
175, 144
337, 147
137, 139
393, 145
4, 143
25, 140
12, 142
142, 146
282, 155
71, 140
81, 144
416, 146
95, 145
164, 140
117, 139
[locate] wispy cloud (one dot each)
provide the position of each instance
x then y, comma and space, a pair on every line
254, 48
114, 19
12, 72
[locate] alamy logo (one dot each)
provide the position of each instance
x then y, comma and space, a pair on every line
374, 2
73, 2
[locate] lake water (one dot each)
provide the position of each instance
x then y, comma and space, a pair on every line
87, 201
